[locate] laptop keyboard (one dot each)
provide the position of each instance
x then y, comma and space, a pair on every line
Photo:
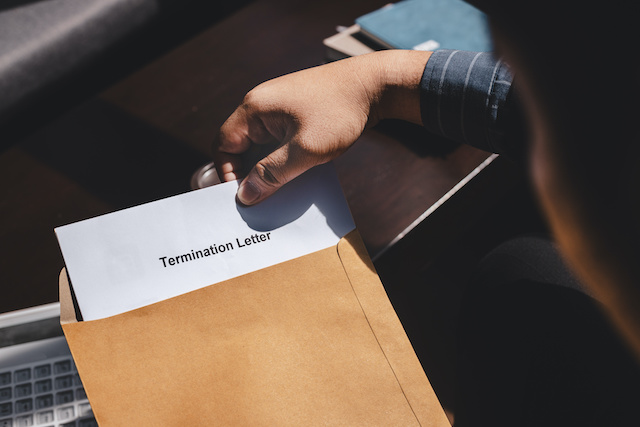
47, 393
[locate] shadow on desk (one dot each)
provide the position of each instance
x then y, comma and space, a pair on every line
427, 272
92, 160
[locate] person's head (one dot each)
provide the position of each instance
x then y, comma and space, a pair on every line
579, 80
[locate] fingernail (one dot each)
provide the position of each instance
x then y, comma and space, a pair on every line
248, 193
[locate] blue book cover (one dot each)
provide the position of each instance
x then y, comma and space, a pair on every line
428, 25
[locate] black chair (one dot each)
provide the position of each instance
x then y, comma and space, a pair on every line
54, 53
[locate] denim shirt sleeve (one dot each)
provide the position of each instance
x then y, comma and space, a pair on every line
468, 97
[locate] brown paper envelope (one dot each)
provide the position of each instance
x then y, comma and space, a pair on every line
311, 341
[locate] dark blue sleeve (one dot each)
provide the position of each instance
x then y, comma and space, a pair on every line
468, 97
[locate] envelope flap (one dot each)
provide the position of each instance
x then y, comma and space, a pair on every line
389, 331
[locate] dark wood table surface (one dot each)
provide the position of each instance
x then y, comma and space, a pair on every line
142, 138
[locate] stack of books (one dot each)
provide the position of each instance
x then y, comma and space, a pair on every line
413, 24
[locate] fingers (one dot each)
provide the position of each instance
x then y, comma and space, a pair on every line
228, 166
231, 141
237, 136
272, 172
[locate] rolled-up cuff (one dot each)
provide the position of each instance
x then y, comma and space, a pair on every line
463, 95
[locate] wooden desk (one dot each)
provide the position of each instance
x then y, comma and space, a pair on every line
141, 140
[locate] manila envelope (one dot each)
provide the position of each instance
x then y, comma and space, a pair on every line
308, 342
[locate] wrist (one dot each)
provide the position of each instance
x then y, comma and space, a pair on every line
399, 73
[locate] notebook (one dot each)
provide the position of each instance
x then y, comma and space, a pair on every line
39, 383
428, 25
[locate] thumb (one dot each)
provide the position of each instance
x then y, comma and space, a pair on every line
271, 173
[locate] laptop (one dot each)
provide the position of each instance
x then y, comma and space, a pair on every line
39, 383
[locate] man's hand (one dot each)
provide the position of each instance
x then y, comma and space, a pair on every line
313, 116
